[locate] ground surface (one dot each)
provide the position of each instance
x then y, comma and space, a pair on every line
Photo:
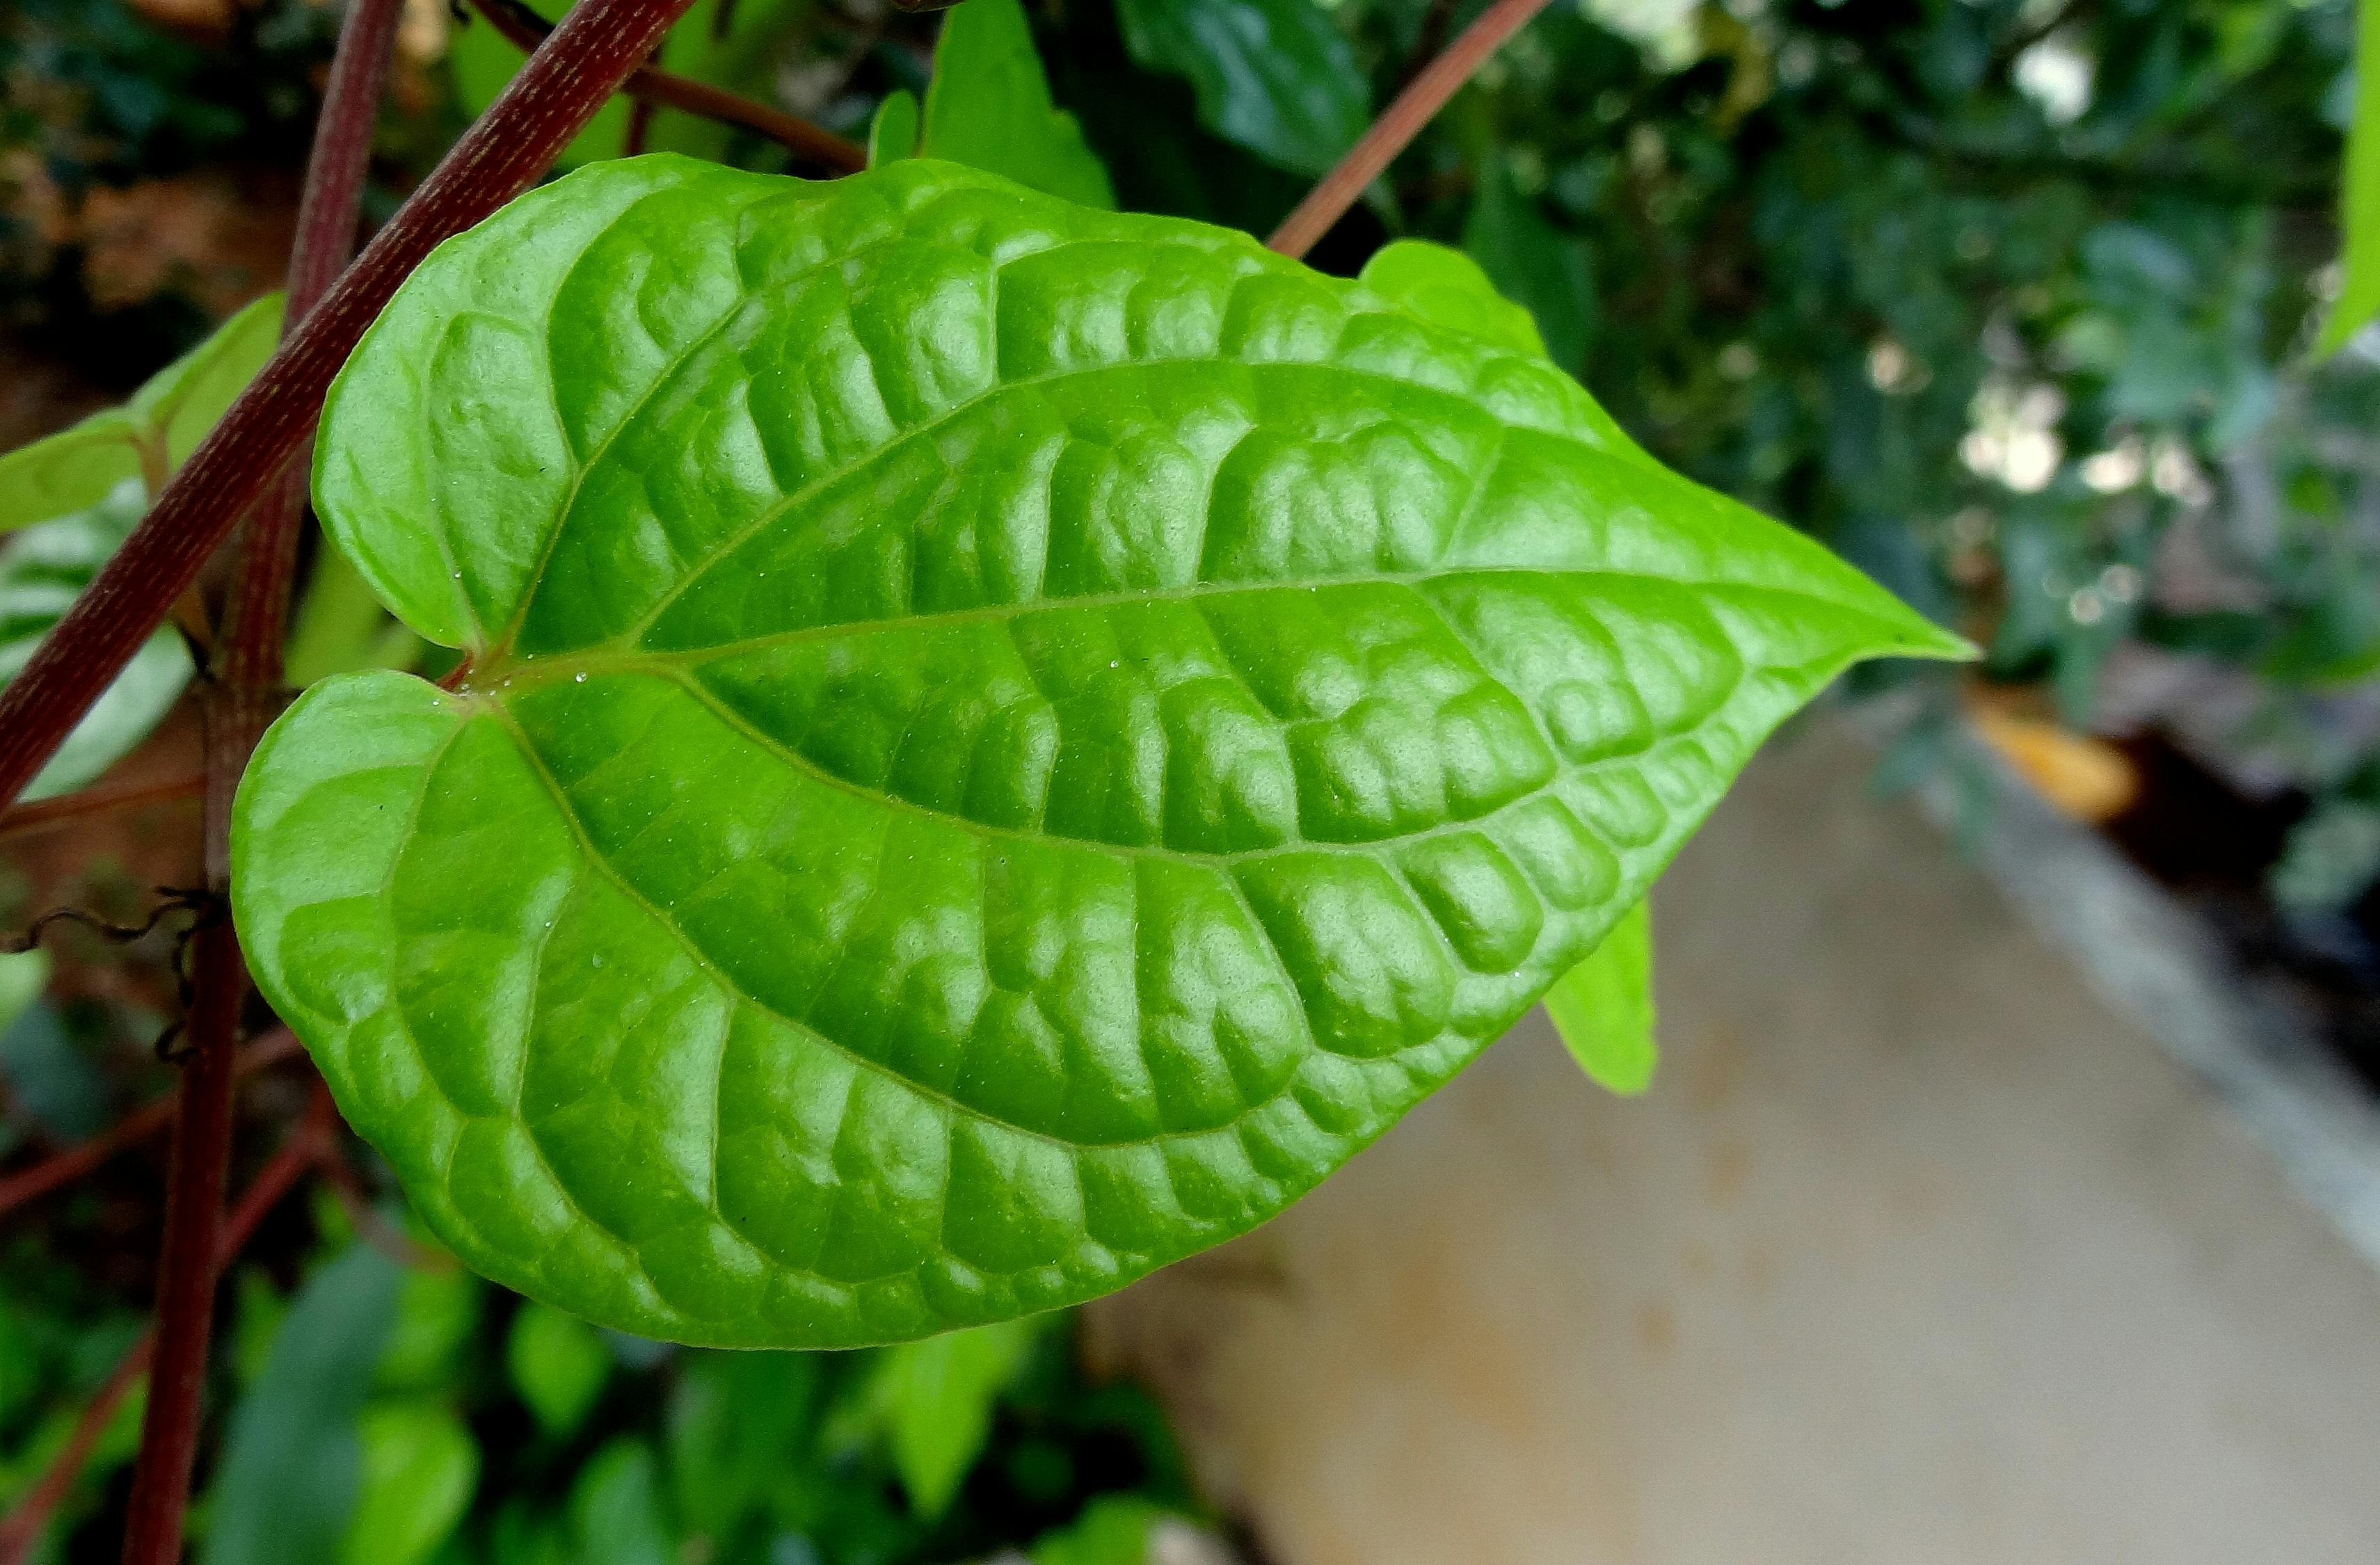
1914, 1253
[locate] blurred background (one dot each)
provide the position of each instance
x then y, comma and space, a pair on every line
2010, 1189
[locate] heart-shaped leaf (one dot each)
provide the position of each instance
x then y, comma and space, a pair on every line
1004, 741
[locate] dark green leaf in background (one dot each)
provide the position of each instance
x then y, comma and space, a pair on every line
419, 1466
967, 793
989, 107
935, 1398
558, 1363
1276, 77
292, 1465
1534, 264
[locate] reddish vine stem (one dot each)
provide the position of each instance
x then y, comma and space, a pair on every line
247, 669
267, 551
653, 86
598, 43
1397, 124
26, 1185
306, 1147
43, 814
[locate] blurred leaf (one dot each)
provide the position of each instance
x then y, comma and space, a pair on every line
988, 107
42, 569
1448, 287
419, 1467
892, 134
82, 466
342, 627
2331, 858
256, 1320
616, 1510
1603, 1007
1534, 264
1276, 77
558, 1364
736, 1426
2358, 293
935, 1397
437, 1316
1112, 1529
292, 1465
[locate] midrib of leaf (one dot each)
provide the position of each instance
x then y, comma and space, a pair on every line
598, 862
499, 648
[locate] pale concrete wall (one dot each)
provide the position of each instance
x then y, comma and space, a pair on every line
1914, 1255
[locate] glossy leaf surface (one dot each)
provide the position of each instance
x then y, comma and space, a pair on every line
1005, 740
1276, 77
988, 107
149, 436
43, 568
1603, 1007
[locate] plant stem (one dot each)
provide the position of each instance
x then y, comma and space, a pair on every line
523, 29
244, 692
186, 1267
267, 551
136, 1127
598, 43
1397, 124
22, 1526
42, 815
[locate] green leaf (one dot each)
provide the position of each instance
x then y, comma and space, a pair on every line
736, 1429
1276, 77
419, 1467
292, 1462
1448, 288
147, 438
1534, 264
437, 1316
892, 134
1112, 1529
1603, 1008
936, 1400
988, 107
616, 1510
2358, 197
558, 1364
966, 794
741, 58
341, 627
43, 568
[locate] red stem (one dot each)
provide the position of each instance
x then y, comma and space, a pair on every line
17, 1188
598, 43
326, 239
22, 1526
43, 814
1397, 124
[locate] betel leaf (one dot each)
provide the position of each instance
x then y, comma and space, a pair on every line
43, 568
147, 438
988, 107
1276, 77
1603, 1007
1003, 742
419, 1466
892, 133
1448, 288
